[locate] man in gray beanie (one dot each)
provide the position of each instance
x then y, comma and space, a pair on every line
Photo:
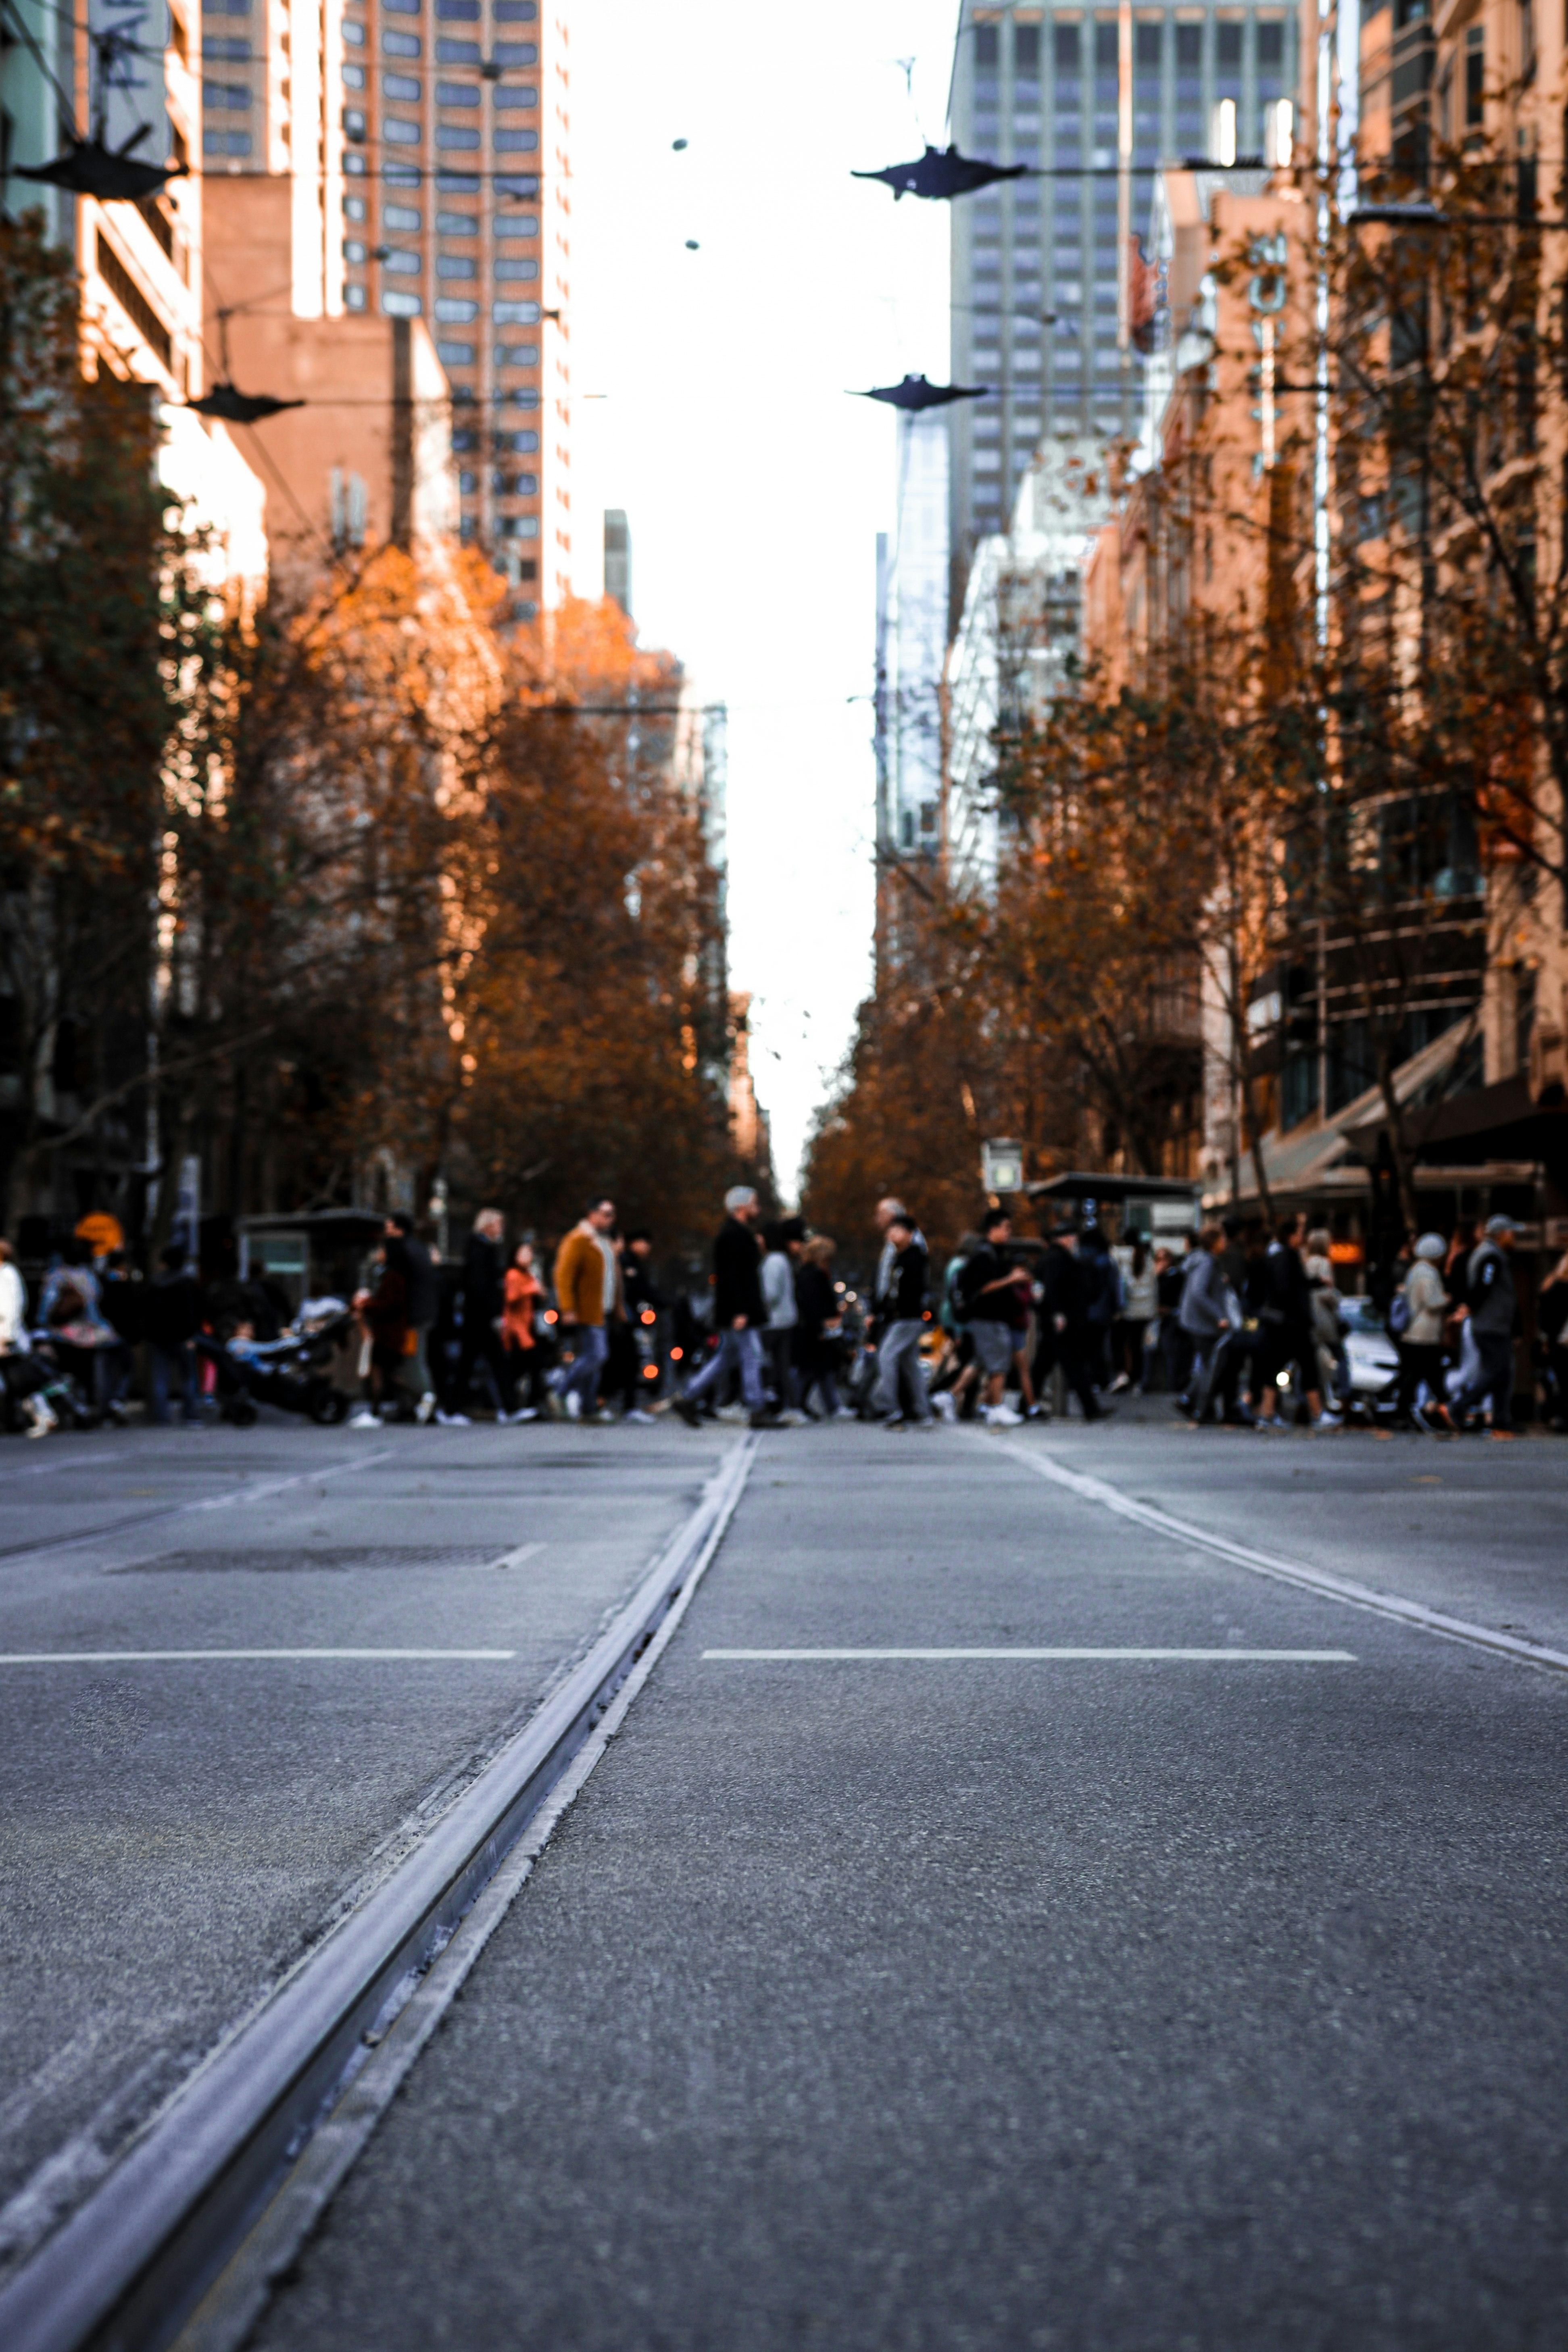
1420, 1343
1492, 1311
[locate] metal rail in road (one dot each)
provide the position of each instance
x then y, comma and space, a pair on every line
122, 2272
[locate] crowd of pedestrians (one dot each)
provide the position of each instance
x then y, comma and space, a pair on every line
1238, 1324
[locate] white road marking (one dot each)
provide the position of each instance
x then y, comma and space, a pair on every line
1286, 1572
515, 1559
1225, 1657
155, 1658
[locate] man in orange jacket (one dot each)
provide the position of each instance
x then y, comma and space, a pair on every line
585, 1297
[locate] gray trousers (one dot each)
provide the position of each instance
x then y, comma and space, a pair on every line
899, 1359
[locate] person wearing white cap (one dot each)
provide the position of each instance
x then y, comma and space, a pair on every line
1420, 1343
1492, 1310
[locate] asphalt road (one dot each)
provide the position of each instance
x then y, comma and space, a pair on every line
174, 1832
993, 2002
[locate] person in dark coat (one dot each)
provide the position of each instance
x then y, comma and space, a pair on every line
1285, 1327
417, 1267
484, 1279
738, 1312
173, 1317
818, 1334
1065, 1293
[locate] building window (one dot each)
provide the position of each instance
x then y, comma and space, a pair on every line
402, 264
398, 131
517, 486
520, 444
515, 141
458, 12
453, 311
519, 314
455, 354
353, 34
401, 86
225, 142
401, 45
987, 48
455, 264
398, 305
220, 96
1270, 43
1150, 41
457, 53
355, 252
354, 76
457, 93
515, 53
517, 99
1027, 48
353, 298
1475, 77
515, 11
230, 49
408, 217
457, 134
512, 266
520, 224
467, 483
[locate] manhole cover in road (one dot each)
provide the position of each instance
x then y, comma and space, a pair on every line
276, 1559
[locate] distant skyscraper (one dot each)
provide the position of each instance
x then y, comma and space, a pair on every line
1041, 84
457, 210
618, 558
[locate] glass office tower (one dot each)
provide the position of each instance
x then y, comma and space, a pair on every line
1035, 261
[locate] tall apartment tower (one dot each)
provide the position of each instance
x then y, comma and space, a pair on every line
1035, 262
457, 209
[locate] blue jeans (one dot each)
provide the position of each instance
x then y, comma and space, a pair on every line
589, 1348
177, 1365
739, 1350
899, 1372
1495, 1350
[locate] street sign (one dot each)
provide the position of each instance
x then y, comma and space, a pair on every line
1002, 1167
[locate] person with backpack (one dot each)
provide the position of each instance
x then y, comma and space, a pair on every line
1415, 1317
993, 1298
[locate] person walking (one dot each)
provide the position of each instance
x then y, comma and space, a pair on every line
483, 1302
642, 1305
1174, 1350
383, 1312
1064, 1335
1491, 1313
412, 1259
586, 1289
1285, 1325
174, 1318
899, 1375
1420, 1343
522, 1293
1140, 1305
20, 1376
992, 1291
740, 1313
786, 1242
1552, 1326
1205, 1315
819, 1343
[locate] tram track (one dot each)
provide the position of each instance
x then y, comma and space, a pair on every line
133, 2260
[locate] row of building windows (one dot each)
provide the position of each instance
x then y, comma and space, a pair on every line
407, 88
1148, 37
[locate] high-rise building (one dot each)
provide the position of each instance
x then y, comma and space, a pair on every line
618, 558
457, 209
1040, 272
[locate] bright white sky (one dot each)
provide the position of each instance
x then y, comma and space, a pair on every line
755, 489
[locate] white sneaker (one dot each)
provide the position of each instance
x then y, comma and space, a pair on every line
792, 1419
42, 1419
845, 1413
424, 1411
636, 1414
526, 1412
733, 1413
572, 1401
452, 1420
365, 1420
1002, 1416
942, 1405
1328, 1421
